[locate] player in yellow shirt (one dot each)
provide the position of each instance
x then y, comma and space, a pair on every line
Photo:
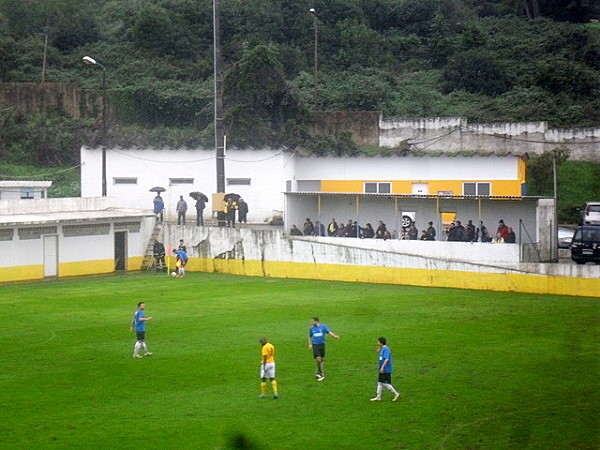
267, 368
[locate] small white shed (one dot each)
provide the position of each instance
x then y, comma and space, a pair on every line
24, 190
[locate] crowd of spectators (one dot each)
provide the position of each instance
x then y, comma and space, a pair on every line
456, 232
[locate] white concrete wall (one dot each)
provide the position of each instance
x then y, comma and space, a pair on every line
384, 168
476, 266
453, 134
267, 169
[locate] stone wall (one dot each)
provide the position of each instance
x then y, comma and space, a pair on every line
32, 98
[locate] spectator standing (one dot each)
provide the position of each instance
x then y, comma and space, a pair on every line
181, 210
502, 230
242, 211
308, 228
452, 232
482, 234
332, 228
200, 205
341, 232
459, 231
159, 206
182, 246
319, 229
385, 371
469, 232
229, 210
430, 232
158, 251
413, 233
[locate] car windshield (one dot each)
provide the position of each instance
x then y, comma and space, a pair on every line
587, 235
594, 208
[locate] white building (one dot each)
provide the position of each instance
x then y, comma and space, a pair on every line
24, 190
262, 176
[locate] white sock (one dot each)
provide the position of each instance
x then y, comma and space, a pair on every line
136, 348
379, 390
390, 388
144, 346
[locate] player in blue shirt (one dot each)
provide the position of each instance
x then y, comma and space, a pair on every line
181, 261
139, 323
316, 341
385, 371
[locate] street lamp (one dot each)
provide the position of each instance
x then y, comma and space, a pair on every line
91, 61
315, 68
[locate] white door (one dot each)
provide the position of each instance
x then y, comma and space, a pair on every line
420, 188
51, 256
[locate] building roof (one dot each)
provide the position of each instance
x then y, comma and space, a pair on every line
10, 220
19, 184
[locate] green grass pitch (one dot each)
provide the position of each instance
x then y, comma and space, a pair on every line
477, 370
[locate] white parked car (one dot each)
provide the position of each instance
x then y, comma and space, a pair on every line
591, 214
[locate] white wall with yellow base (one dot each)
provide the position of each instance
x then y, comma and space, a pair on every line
270, 253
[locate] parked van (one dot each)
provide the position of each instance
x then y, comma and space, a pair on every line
591, 214
585, 246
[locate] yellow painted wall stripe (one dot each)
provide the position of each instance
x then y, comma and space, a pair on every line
498, 187
503, 282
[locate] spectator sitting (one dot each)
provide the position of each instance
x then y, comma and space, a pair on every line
381, 230
368, 231
308, 228
424, 236
352, 229
332, 228
294, 231
510, 237
341, 231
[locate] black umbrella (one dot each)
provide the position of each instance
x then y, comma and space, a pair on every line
198, 196
158, 189
234, 197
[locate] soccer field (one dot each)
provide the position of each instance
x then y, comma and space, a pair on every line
477, 370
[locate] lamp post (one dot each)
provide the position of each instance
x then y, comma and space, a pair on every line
91, 61
315, 66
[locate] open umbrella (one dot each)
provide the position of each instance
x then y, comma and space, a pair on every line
234, 197
158, 189
198, 196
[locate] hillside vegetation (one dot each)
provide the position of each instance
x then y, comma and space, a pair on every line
494, 60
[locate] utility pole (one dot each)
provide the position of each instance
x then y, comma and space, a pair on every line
316, 57
218, 100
